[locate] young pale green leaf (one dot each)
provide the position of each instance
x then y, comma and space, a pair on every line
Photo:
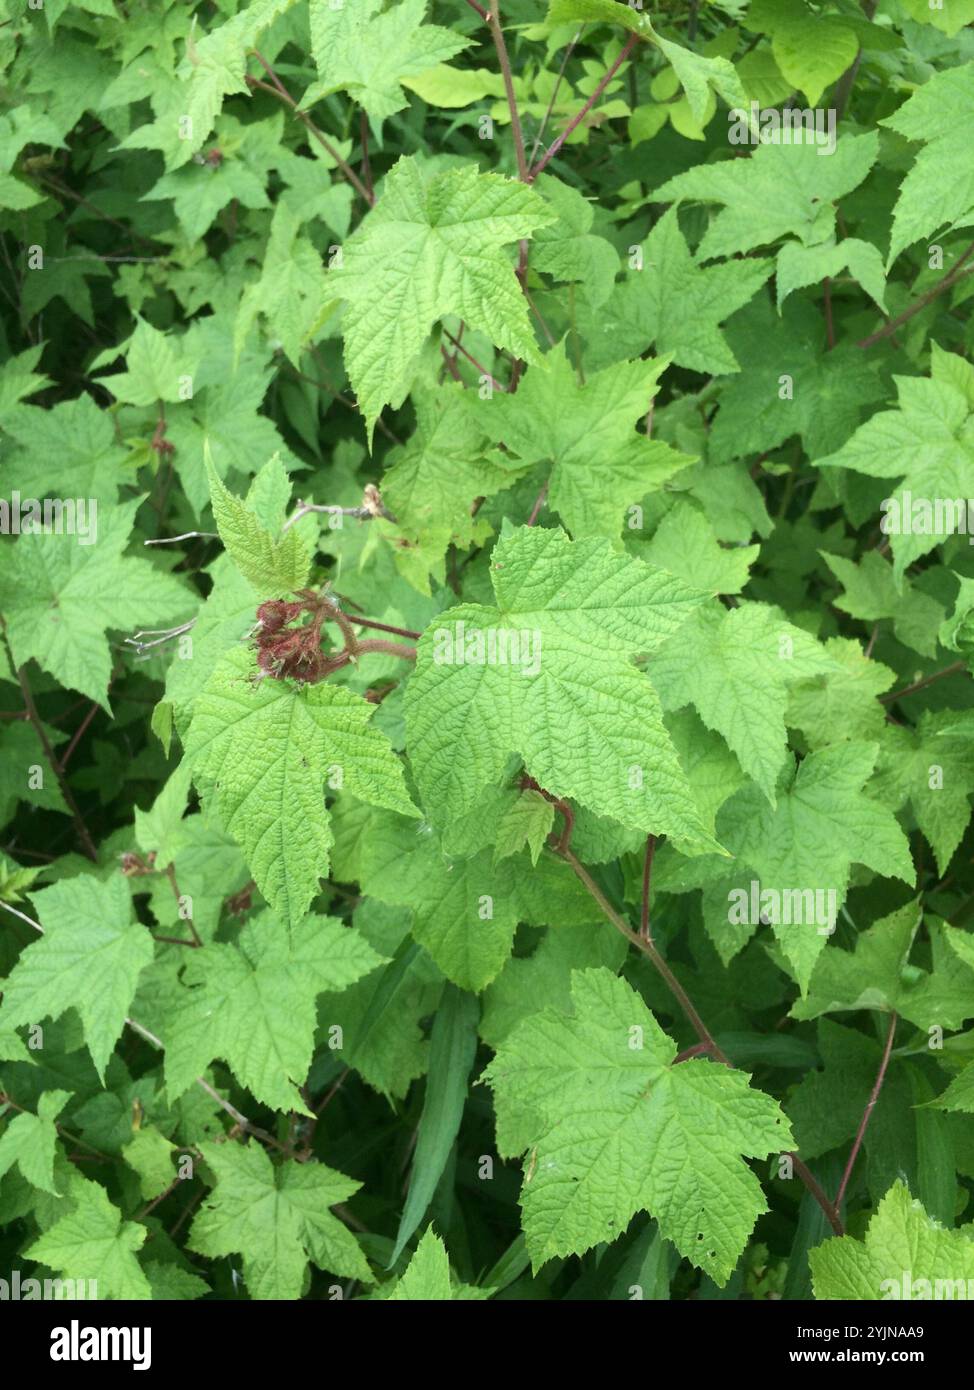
931, 197
270, 746
614, 1127
781, 189
928, 442
275, 566
821, 824
741, 689
361, 50
905, 1255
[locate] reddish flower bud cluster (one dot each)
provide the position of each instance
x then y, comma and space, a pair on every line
283, 650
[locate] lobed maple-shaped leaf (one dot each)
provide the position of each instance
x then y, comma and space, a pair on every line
938, 192
30, 1141
253, 1004
870, 593
465, 909
60, 595
842, 702
741, 686
675, 305
67, 451
905, 1255
780, 189
93, 1237
89, 959
364, 51
269, 747
614, 1127
792, 386
570, 703
685, 544
821, 824
928, 442
877, 974
277, 1217
600, 465
932, 768
428, 249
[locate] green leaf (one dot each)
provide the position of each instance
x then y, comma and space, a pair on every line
93, 1237
527, 822
60, 596
928, 442
600, 467
427, 1276
275, 566
905, 1255
270, 747
253, 1004
741, 690
781, 189
362, 51
576, 613
89, 959
932, 197
685, 544
448, 236
675, 304
452, 1048
615, 1128
821, 825
30, 1141
277, 1218
870, 593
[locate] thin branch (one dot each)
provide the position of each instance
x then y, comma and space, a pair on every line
186, 536
554, 94
366, 166
829, 318
79, 733
84, 836
497, 385
553, 149
277, 88
867, 1113
946, 283
497, 33
951, 670
644, 929
539, 502
846, 82
648, 949
387, 627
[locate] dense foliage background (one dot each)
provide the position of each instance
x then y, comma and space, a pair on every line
511, 556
